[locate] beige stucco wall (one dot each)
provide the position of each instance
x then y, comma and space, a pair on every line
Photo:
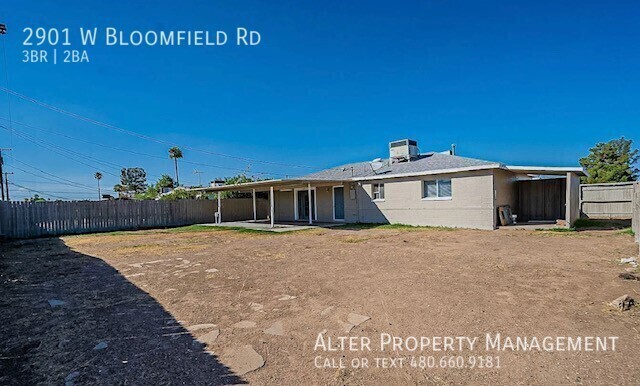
351, 214
285, 204
471, 205
506, 191
283, 201
573, 199
506, 188
324, 200
241, 209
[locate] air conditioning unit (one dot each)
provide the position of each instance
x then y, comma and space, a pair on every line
403, 150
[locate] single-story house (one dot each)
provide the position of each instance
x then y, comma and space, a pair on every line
433, 189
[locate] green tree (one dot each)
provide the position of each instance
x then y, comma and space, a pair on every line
150, 194
132, 181
239, 179
179, 194
174, 154
613, 161
165, 181
35, 198
154, 191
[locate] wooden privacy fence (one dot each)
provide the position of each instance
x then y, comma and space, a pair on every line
607, 201
35, 219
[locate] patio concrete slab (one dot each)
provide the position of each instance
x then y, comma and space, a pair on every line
531, 226
264, 225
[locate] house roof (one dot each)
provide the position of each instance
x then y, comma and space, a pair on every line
430, 163
425, 164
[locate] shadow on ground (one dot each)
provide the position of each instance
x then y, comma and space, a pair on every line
55, 344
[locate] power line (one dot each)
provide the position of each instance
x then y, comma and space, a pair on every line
49, 182
135, 152
138, 135
60, 192
55, 185
52, 147
64, 180
39, 192
64, 152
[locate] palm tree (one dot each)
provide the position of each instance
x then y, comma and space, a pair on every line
98, 176
174, 154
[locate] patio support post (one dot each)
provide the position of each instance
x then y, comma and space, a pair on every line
254, 205
572, 210
272, 209
219, 208
310, 208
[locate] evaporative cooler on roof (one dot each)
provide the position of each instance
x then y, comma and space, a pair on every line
403, 150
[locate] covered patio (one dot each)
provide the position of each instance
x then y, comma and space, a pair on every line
292, 203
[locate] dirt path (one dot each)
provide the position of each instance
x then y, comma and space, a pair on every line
142, 293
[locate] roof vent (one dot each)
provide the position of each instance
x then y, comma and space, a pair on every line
403, 150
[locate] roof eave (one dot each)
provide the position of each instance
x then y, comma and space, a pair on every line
548, 170
264, 184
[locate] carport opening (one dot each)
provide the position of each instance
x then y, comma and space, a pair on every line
532, 200
541, 200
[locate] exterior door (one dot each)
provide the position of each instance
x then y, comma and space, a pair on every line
303, 204
338, 203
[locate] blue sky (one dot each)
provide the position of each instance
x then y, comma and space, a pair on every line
529, 83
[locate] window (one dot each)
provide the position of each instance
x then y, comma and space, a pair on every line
437, 189
377, 191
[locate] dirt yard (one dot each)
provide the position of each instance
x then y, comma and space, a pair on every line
205, 307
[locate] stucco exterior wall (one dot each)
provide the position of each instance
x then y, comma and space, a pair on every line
285, 204
506, 188
573, 199
325, 203
471, 204
506, 191
351, 214
283, 201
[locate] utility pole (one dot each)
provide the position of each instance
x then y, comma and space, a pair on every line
198, 172
3, 31
2, 183
6, 183
98, 176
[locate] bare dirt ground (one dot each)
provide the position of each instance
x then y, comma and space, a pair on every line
135, 303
